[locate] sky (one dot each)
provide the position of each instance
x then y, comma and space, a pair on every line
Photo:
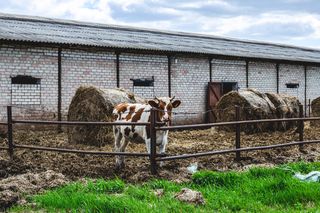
294, 22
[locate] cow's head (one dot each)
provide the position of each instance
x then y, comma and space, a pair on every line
165, 106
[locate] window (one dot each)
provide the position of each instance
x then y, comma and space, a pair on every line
25, 90
143, 86
292, 85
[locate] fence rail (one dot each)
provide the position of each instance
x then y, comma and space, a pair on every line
155, 126
80, 151
85, 123
226, 151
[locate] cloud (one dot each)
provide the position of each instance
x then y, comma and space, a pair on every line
233, 18
69, 9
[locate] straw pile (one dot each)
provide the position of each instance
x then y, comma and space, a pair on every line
286, 107
315, 107
254, 106
3, 131
92, 104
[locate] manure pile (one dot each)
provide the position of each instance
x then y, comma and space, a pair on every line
92, 104
255, 105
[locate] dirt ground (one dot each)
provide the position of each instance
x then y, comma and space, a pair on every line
75, 166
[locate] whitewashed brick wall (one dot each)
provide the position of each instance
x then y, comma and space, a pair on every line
26, 94
144, 66
37, 62
313, 82
86, 68
190, 77
263, 76
292, 73
229, 71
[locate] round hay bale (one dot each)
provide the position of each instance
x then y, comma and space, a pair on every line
3, 131
315, 107
92, 104
253, 106
286, 107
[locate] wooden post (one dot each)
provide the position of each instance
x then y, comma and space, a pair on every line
153, 138
10, 134
238, 133
301, 124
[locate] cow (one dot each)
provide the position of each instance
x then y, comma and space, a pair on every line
127, 112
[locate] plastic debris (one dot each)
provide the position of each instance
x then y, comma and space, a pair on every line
193, 168
313, 176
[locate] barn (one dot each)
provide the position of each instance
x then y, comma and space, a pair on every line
43, 61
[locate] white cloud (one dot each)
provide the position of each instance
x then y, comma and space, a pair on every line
98, 11
197, 4
184, 15
126, 4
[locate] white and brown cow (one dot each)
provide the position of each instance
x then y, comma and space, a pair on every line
127, 112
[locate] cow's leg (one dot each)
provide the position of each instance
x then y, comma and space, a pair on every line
162, 147
124, 143
119, 139
148, 145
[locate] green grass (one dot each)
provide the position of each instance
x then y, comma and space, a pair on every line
256, 190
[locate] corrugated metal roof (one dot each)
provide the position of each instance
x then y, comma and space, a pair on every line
39, 29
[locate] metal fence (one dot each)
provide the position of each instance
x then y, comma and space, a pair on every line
155, 126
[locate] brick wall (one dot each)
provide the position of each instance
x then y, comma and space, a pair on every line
263, 76
86, 68
229, 71
26, 94
134, 66
313, 82
37, 62
190, 77
292, 73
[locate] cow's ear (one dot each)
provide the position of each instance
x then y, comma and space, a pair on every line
153, 103
176, 103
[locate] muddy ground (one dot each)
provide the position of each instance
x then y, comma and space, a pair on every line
75, 166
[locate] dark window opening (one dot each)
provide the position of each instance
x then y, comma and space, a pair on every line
292, 85
25, 79
228, 87
143, 82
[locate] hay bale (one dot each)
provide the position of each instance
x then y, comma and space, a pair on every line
254, 106
92, 104
286, 107
315, 107
3, 131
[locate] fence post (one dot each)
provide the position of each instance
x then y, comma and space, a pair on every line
238, 133
10, 134
153, 138
301, 124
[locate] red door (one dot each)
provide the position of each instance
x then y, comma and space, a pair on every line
214, 95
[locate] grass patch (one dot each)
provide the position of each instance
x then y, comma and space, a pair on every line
258, 189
